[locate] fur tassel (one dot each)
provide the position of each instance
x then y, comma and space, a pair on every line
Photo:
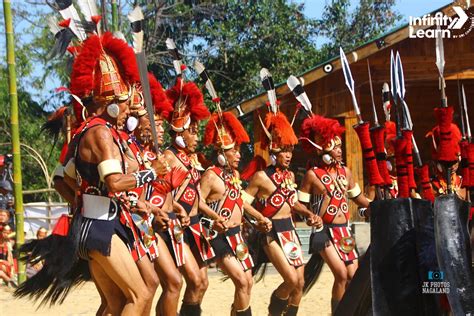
448, 145
256, 164
424, 179
400, 145
163, 106
193, 98
378, 137
362, 131
409, 159
464, 165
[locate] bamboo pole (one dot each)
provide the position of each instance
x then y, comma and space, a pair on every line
114, 16
15, 132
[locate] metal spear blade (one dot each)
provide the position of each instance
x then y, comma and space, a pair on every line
349, 81
466, 115
376, 120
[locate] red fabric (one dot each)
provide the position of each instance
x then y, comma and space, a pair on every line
390, 135
400, 145
448, 146
471, 213
362, 131
470, 160
62, 226
378, 137
256, 164
409, 159
424, 179
464, 165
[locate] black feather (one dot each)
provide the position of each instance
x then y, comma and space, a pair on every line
62, 40
312, 271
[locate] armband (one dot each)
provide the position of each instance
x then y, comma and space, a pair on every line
303, 196
108, 167
144, 176
354, 192
247, 197
70, 169
58, 172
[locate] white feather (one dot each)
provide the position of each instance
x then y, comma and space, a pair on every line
265, 75
71, 13
170, 44
53, 24
88, 8
200, 68
119, 35
292, 83
135, 16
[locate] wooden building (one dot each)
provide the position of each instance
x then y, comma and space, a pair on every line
329, 95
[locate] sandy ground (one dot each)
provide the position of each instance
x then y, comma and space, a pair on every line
217, 302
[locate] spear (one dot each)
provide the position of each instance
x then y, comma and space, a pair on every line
394, 91
440, 65
350, 83
466, 115
374, 110
136, 20
15, 132
461, 108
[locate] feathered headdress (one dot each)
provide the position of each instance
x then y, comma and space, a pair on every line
278, 130
162, 104
103, 69
188, 103
225, 133
320, 133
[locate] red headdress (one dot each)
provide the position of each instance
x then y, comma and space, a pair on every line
162, 104
225, 134
103, 69
322, 132
188, 102
278, 132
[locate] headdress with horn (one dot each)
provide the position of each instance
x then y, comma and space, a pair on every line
278, 130
320, 134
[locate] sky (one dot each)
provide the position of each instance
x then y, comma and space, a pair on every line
313, 9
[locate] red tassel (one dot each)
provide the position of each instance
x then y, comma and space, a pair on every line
362, 131
470, 159
464, 165
446, 147
183, 67
402, 172
65, 23
216, 100
378, 137
256, 164
62, 226
96, 19
424, 178
409, 159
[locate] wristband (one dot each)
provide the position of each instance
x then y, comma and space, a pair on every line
144, 176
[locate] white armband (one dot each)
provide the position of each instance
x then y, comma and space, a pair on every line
354, 192
108, 167
247, 197
303, 196
70, 169
58, 172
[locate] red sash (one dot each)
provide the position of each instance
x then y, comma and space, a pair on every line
232, 196
344, 242
335, 191
177, 239
284, 193
201, 238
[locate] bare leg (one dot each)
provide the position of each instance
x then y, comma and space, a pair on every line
338, 269
242, 281
121, 268
147, 271
171, 281
112, 297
